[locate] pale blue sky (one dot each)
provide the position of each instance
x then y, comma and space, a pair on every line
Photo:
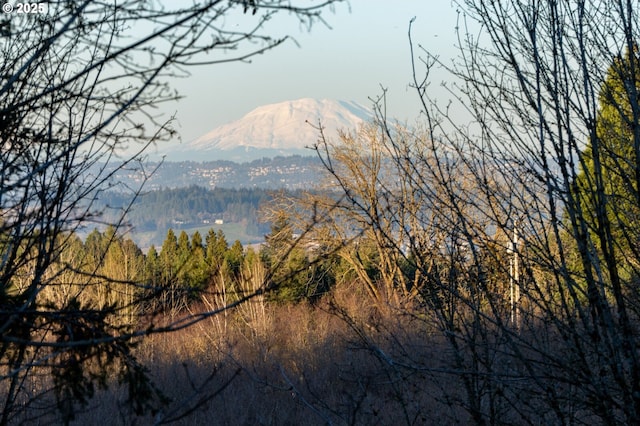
366, 47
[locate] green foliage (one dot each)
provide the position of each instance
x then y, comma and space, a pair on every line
607, 185
198, 273
294, 276
169, 258
216, 248
184, 268
234, 257
183, 261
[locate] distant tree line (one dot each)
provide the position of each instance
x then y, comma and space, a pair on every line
190, 206
167, 279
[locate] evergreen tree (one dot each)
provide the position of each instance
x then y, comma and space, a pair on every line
607, 186
95, 249
133, 263
216, 249
152, 277
168, 257
234, 257
288, 264
196, 241
198, 270
183, 260
169, 270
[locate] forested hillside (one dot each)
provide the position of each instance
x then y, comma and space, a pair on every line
191, 208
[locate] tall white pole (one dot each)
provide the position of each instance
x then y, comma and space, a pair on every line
514, 276
516, 272
511, 292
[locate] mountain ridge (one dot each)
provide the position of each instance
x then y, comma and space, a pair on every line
279, 129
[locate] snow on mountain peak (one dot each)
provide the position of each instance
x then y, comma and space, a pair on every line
281, 128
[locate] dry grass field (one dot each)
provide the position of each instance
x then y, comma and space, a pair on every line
269, 364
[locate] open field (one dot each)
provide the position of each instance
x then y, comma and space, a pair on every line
289, 364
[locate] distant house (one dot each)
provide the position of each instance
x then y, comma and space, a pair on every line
219, 222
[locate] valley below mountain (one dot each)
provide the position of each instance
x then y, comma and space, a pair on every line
221, 179
292, 172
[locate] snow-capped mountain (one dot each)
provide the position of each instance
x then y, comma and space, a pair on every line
284, 128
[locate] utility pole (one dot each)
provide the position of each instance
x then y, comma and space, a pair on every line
514, 276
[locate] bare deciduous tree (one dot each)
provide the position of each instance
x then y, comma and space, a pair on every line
529, 273
78, 84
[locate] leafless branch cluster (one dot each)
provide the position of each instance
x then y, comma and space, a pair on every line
78, 86
507, 219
